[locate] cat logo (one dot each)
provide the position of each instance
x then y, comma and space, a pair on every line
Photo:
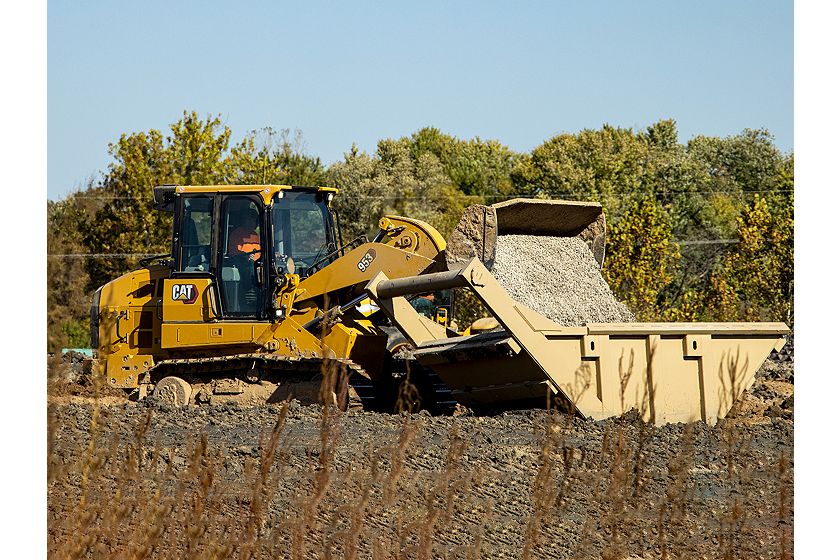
187, 293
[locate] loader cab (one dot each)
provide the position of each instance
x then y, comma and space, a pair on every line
239, 241
241, 277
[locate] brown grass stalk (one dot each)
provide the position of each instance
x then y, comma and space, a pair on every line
259, 496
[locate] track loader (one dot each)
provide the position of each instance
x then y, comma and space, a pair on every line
288, 309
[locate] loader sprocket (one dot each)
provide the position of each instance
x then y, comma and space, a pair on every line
417, 387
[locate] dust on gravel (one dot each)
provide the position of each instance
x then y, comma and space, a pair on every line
557, 277
379, 485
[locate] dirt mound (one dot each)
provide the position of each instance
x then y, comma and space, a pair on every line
70, 377
557, 277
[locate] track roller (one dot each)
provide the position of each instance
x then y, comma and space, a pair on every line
173, 390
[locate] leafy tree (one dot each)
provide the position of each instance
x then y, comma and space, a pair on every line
268, 157
745, 163
702, 186
363, 192
192, 154
604, 165
642, 258
755, 280
420, 186
397, 180
733, 170
476, 167
67, 279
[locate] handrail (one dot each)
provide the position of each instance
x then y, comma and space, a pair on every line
122, 314
360, 240
148, 260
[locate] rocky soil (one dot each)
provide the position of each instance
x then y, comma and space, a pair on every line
148, 480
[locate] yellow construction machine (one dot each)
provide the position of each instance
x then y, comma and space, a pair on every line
261, 299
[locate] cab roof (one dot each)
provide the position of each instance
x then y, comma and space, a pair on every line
164, 195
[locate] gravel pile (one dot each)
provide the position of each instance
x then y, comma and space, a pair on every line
557, 277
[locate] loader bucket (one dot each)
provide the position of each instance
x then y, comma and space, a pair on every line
479, 227
669, 372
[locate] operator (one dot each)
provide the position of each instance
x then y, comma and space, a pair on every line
425, 305
246, 238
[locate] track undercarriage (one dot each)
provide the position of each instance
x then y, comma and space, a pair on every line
253, 379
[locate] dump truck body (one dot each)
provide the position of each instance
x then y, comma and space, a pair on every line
669, 372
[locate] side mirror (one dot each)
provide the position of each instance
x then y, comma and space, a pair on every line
284, 267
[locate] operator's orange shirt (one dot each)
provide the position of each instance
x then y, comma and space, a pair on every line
244, 240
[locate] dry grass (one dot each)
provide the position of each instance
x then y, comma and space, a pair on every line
129, 498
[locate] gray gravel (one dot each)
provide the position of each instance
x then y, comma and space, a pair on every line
557, 277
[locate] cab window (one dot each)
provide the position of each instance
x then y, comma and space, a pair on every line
196, 233
302, 229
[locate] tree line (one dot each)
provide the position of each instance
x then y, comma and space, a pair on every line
696, 231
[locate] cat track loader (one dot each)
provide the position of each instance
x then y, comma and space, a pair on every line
260, 299
211, 322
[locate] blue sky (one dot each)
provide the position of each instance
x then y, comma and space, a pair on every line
516, 72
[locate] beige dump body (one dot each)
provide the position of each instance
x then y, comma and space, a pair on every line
670, 372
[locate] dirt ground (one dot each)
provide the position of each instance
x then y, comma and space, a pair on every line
149, 480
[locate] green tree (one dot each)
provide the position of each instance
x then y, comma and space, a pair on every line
476, 167
732, 170
642, 258
605, 165
755, 279
702, 186
363, 192
192, 154
68, 299
396, 180
746, 163
268, 157
420, 186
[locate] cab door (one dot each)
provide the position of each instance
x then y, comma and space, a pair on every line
241, 257
188, 294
